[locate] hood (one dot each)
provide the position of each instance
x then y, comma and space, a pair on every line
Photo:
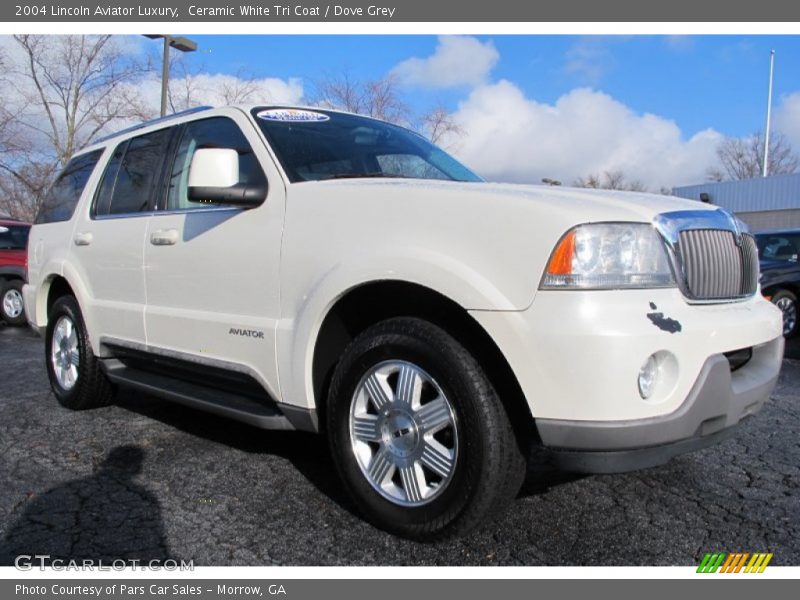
596, 205
497, 237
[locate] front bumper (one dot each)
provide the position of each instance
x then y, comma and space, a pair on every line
718, 402
577, 355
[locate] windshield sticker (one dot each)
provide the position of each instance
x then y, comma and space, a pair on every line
292, 115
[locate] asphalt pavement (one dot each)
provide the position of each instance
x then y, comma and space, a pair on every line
144, 479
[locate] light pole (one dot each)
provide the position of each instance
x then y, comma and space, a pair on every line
765, 165
179, 43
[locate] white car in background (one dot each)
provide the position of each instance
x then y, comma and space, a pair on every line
315, 270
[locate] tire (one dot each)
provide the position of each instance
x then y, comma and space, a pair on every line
786, 301
75, 375
11, 307
420, 495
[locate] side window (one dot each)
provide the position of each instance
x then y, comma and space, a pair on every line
780, 247
61, 200
132, 174
216, 132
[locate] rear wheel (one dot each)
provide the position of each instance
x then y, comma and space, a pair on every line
75, 374
419, 436
787, 302
11, 305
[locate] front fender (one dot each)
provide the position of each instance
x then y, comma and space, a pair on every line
296, 338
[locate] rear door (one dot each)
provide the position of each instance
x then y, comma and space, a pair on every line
212, 270
108, 240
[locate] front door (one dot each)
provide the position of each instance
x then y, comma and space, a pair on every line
212, 271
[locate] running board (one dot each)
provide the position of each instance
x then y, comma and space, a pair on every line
211, 400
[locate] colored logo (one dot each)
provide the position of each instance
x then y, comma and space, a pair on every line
738, 562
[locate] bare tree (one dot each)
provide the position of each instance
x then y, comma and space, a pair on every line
60, 92
18, 176
12, 141
77, 81
23, 189
610, 180
239, 89
184, 90
743, 158
382, 99
439, 126
379, 98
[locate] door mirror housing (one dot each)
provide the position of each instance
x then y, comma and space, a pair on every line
214, 179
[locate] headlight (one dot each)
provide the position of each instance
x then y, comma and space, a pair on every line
609, 256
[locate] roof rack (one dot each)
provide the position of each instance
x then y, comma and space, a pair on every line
164, 119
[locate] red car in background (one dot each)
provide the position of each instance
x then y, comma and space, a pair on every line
13, 268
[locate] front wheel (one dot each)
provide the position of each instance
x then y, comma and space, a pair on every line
419, 436
787, 302
75, 374
11, 305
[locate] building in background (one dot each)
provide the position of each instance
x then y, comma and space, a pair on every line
764, 203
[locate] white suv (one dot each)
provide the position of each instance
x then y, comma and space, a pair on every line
321, 271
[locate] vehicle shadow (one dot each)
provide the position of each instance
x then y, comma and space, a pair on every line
84, 519
543, 476
307, 452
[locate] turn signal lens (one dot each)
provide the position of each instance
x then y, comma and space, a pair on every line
561, 261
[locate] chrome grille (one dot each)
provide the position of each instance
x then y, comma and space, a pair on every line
715, 266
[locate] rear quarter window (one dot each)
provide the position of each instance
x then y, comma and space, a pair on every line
61, 200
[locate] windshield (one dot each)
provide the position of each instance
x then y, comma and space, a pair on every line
320, 144
13, 237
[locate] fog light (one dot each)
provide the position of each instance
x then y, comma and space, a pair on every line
648, 374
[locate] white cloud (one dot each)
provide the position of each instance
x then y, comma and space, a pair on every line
787, 119
457, 61
222, 89
589, 59
510, 137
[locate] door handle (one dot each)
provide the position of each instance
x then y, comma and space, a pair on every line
83, 239
164, 237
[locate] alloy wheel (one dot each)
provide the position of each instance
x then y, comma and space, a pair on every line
404, 433
64, 353
12, 303
789, 309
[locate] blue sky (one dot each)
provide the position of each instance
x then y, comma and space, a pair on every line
533, 106
698, 81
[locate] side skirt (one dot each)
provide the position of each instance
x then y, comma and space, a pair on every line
220, 391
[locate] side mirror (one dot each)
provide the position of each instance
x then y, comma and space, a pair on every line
214, 179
